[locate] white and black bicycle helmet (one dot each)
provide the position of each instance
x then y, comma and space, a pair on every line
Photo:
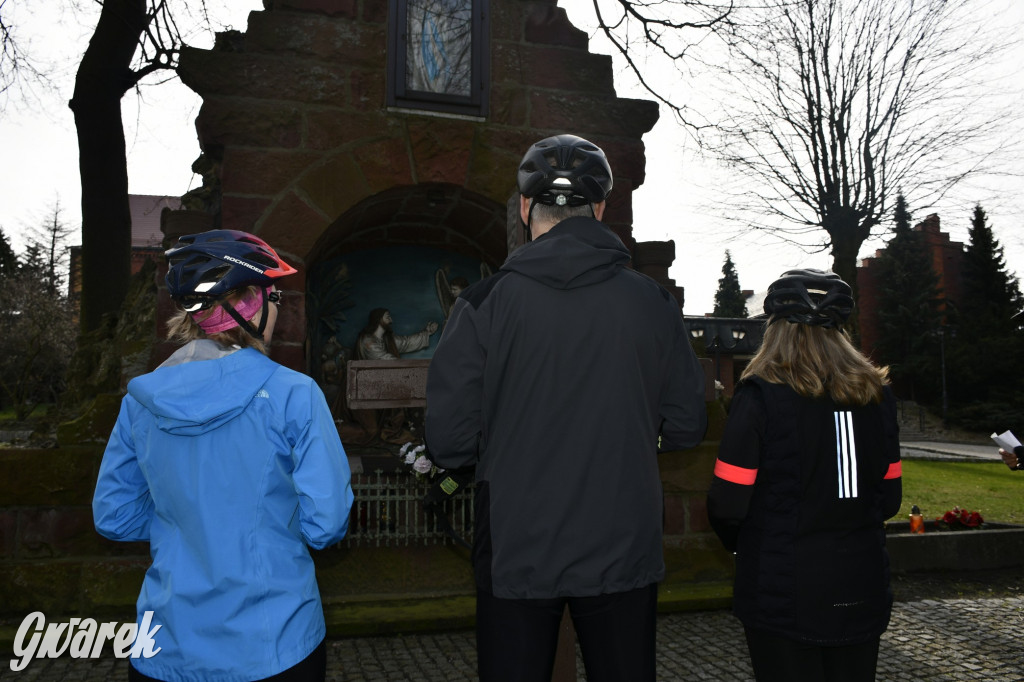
811, 297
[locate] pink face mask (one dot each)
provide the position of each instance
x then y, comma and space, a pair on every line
219, 320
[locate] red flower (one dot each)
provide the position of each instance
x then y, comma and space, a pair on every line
960, 518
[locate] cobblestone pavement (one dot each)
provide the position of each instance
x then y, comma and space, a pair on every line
945, 640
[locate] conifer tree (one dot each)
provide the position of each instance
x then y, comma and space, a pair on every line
988, 348
8, 259
992, 293
908, 310
729, 299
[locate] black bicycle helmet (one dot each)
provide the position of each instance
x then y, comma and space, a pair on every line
812, 297
565, 169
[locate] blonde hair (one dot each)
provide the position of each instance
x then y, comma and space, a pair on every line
183, 328
815, 361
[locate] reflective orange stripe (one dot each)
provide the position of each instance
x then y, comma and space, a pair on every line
735, 474
895, 470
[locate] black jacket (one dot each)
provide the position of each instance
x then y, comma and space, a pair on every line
555, 378
801, 490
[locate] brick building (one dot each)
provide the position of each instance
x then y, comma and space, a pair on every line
947, 261
146, 211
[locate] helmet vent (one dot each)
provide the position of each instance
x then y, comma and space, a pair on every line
263, 259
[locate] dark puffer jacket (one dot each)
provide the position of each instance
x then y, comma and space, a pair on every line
555, 378
801, 489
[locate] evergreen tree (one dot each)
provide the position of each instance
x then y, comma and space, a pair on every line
993, 295
729, 299
908, 310
989, 346
8, 259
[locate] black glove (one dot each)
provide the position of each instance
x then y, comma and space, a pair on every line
448, 484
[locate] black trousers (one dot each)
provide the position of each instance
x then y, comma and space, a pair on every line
516, 639
780, 659
312, 668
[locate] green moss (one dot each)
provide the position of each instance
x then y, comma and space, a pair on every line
698, 558
95, 424
378, 617
674, 597
343, 573
112, 585
48, 586
45, 477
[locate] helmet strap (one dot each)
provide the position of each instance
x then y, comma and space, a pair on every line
529, 221
255, 332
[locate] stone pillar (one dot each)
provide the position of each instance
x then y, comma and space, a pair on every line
654, 259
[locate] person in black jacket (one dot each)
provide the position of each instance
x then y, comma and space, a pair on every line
555, 378
807, 472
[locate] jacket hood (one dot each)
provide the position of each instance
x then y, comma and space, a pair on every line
205, 390
576, 252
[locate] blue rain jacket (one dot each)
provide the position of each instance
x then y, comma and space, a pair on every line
229, 465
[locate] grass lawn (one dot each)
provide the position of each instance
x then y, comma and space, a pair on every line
987, 487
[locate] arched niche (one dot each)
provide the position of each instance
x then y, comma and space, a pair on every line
401, 249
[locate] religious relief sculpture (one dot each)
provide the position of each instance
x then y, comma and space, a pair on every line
333, 360
378, 340
347, 322
449, 290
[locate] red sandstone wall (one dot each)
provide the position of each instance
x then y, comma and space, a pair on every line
294, 115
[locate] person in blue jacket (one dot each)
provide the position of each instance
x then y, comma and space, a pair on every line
229, 465
808, 470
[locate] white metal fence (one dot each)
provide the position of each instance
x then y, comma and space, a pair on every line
389, 512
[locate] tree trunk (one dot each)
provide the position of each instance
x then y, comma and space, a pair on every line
103, 77
846, 243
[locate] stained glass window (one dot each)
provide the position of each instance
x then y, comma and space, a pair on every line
438, 55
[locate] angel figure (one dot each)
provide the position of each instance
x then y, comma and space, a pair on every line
449, 290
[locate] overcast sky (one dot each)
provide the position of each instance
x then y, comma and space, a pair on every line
40, 163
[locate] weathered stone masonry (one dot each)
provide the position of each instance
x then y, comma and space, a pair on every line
312, 160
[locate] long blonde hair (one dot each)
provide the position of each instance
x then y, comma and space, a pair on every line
815, 361
182, 326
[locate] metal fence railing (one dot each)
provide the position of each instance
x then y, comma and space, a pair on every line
388, 511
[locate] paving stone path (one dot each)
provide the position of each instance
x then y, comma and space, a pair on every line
946, 640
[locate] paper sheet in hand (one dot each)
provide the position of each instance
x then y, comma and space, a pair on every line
1006, 440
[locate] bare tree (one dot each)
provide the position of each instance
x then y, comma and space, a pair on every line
38, 322
833, 106
20, 70
133, 38
50, 241
653, 36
